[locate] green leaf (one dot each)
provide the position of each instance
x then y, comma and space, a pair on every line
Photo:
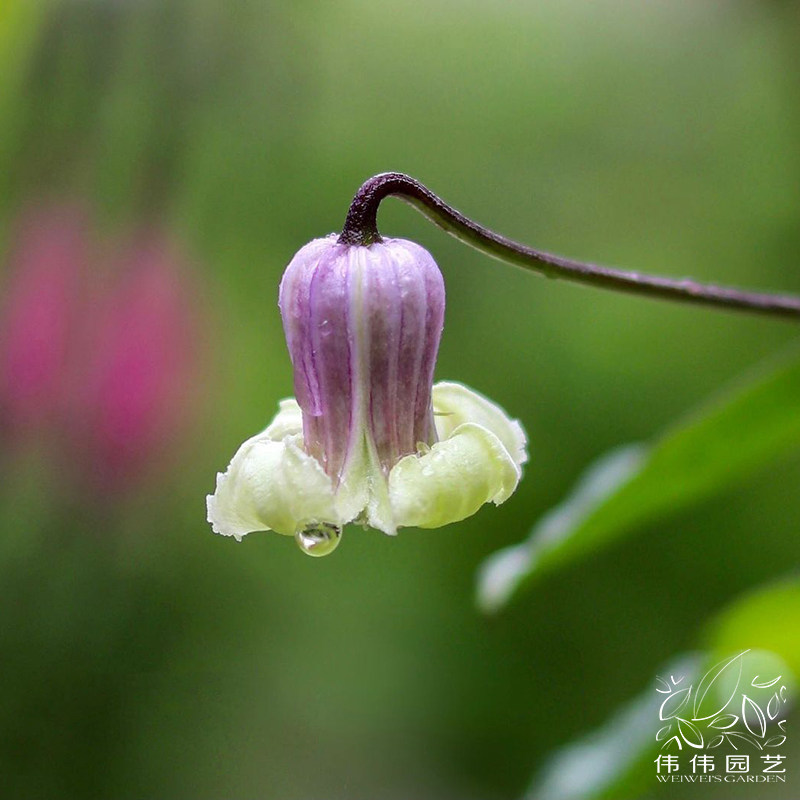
616, 759
744, 428
766, 619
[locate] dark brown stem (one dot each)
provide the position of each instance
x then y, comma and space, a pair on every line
361, 228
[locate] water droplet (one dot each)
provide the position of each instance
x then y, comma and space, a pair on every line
319, 538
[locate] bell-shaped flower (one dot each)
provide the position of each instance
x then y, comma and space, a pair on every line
369, 438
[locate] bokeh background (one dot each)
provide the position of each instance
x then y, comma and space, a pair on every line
160, 162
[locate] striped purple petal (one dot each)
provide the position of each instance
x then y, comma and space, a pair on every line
363, 326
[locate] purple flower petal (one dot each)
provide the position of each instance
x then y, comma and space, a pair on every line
363, 326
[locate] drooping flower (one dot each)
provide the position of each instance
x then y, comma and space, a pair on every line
369, 438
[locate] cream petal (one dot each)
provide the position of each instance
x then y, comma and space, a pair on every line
354, 489
380, 514
287, 422
455, 404
454, 479
271, 485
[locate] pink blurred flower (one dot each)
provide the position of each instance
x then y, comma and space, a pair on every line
138, 388
37, 324
110, 374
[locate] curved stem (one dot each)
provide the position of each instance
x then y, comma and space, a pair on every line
361, 228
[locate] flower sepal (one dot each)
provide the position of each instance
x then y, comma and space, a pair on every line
272, 483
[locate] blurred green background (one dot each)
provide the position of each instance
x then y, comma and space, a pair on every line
143, 657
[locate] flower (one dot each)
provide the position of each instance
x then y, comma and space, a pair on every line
369, 438
135, 390
41, 307
103, 376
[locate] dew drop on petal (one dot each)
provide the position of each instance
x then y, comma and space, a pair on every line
319, 538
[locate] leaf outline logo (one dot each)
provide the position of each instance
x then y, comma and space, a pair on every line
674, 703
690, 732
748, 706
663, 732
708, 681
719, 687
764, 685
774, 706
723, 722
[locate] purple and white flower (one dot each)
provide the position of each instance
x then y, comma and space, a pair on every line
369, 438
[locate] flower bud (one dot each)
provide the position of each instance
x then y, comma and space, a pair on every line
363, 326
369, 438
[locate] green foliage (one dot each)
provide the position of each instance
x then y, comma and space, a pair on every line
744, 428
616, 760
